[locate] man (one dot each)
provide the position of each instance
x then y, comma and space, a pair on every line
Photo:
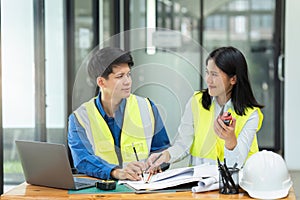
104, 131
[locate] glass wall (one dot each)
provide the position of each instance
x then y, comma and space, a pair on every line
82, 39
93, 22
170, 72
55, 72
18, 78
18, 67
19, 88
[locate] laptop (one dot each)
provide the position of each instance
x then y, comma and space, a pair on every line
47, 164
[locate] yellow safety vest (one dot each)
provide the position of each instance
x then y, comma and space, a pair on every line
206, 144
137, 129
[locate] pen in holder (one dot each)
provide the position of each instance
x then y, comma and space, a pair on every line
228, 179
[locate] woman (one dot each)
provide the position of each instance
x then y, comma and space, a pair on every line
202, 133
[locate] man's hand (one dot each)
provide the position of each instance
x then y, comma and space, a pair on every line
132, 171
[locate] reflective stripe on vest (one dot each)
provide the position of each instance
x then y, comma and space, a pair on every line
206, 144
137, 129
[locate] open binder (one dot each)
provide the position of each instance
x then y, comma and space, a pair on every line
180, 179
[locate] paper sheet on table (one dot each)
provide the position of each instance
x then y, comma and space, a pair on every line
174, 177
207, 184
179, 172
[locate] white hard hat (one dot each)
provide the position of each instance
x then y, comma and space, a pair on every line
265, 176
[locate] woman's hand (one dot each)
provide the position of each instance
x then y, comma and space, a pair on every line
226, 132
155, 160
132, 171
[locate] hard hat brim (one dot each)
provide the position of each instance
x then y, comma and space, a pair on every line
277, 194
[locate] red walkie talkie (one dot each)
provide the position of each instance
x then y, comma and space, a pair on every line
227, 119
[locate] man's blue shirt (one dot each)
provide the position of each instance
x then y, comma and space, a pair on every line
85, 159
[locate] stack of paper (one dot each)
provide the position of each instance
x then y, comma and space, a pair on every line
174, 177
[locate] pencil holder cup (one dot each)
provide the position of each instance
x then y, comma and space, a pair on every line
229, 181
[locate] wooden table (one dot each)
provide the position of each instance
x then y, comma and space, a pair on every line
26, 191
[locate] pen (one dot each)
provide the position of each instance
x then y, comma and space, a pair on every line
154, 161
226, 186
136, 156
235, 165
149, 178
228, 175
135, 153
164, 166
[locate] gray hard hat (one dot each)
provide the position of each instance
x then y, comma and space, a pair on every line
103, 58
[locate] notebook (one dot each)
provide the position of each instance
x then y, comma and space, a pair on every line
47, 164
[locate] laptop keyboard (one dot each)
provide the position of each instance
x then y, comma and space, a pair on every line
79, 182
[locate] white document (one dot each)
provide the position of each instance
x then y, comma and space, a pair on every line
209, 181
198, 188
174, 174
174, 177
207, 184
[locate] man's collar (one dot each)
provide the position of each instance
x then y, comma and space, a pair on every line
101, 109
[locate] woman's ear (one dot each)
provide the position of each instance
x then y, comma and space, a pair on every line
233, 80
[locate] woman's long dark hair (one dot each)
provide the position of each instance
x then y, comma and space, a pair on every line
232, 62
